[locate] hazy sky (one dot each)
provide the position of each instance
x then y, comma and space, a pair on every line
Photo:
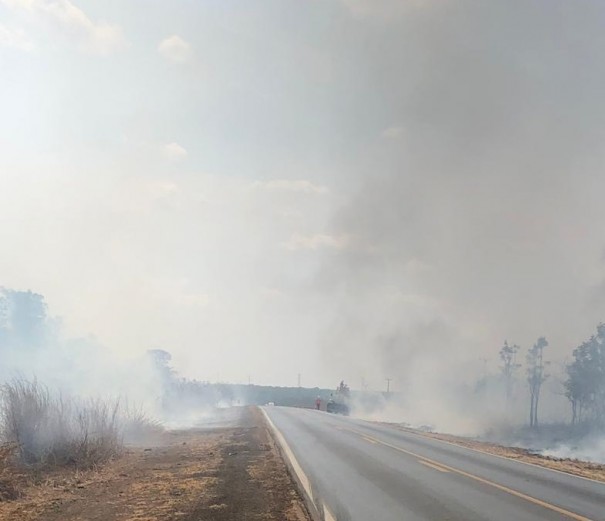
339, 188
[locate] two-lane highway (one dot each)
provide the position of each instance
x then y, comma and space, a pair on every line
361, 471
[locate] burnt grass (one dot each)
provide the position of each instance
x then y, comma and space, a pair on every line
253, 481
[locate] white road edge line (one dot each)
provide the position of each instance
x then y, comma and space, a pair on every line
304, 480
328, 515
300, 474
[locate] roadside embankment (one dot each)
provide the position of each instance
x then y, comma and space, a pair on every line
231, 471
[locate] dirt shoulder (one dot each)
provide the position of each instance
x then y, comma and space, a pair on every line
579, 468
223, 473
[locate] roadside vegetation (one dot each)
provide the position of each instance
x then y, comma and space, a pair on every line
582, 381
42, 431
52, 430
8, 488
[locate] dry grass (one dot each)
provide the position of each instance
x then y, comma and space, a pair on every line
138, 427
43, 435
54, 431
8, 487
159, 483
230, 471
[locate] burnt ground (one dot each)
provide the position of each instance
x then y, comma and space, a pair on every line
233, 472
254, 483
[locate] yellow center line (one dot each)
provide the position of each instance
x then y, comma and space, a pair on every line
369, 439
436, 467
443, 467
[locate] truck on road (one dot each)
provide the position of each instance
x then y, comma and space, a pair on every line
339, 400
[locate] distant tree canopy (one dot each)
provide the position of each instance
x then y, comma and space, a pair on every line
184, 394
160, 357
585, 384
343, 389
160, 362
24, 322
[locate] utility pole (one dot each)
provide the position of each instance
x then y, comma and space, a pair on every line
298, 379
388, 385
249, 382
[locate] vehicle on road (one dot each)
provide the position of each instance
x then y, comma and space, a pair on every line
339, 400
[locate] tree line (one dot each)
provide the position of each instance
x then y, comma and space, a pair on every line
584, 383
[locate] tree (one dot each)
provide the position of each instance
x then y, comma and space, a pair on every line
343, 388
24, 321
575, 388
160, 362
585, 384
535, 377
508, 355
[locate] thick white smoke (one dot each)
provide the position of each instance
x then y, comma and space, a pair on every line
476, 219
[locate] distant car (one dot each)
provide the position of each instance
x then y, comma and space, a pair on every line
271, 404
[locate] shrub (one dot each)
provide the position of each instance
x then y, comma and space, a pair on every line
51, 430
138, 427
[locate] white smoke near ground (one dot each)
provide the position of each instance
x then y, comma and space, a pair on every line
588, 450
37, 356
477, 222
426, 416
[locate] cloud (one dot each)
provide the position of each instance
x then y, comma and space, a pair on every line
97, 38
175, 49
289, 185
299, 242
174, 151
15, 38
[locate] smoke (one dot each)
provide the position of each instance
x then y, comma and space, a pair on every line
34, 348
403, 184
476, 218
588, 450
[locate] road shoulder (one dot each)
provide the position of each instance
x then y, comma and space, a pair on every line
225, 473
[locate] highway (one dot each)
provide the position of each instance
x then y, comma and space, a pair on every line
360, 471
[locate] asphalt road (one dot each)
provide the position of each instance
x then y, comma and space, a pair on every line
363, 471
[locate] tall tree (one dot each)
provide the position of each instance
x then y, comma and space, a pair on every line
508, 355
535, 377
585, 384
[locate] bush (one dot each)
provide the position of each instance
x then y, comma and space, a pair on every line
138, 427
51, 430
